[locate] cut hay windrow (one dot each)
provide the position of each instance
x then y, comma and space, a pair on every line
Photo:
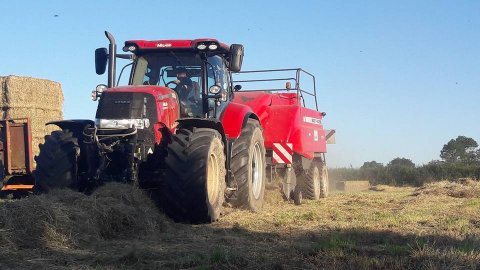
461, 188
66, 219
38, 99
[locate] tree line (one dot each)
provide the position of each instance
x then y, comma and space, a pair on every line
460, 158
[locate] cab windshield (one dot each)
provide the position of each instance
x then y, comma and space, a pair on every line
182, 72
161, 68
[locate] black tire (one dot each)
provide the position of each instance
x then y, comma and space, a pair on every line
315, 181
57, 162
195, 162
248, 159
150, 171
297, 196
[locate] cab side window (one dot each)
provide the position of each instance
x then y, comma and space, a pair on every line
217, 73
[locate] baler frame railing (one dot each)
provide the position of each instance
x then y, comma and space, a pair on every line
296, 80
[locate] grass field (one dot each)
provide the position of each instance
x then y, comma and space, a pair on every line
433, 227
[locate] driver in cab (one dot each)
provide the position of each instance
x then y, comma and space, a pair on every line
184, 85
186, 91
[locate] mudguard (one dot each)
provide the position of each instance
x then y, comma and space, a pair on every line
234, 119
213, 124
203, 123
75, 126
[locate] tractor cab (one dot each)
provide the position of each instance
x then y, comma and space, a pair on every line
198, 71
192, 78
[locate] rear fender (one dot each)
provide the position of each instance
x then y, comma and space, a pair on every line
89, 160
234, 118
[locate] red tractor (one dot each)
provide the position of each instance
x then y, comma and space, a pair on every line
185, 133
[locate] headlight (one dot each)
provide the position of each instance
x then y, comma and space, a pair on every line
98, 91
138, 123
130, 48
212, 46
201, 46
215, 89
100, 88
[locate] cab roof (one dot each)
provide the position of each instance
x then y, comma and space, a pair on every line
175, 44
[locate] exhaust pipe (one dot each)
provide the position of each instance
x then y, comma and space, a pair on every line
112, 52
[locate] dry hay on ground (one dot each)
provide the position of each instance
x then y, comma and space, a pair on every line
274, 197
462, 188
38, 99
67, 219
368, 230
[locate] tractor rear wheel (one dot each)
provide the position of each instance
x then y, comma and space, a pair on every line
315, 181
194, 183
249, 167
57, 162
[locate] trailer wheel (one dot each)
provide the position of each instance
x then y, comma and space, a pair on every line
315, 181
57, 162
194, 181
249, 167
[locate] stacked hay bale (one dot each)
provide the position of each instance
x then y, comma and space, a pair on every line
38, 99
352, 186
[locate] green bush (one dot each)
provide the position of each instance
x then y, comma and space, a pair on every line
400, 172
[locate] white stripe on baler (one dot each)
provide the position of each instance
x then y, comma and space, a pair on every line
284, 152
277, 158
290, 146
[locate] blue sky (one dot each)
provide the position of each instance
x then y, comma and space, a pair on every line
396, 78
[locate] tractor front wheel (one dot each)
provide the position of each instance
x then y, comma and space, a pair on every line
194, 181
57, 162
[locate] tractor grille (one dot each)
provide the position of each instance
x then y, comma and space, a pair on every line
126, 106
118, 105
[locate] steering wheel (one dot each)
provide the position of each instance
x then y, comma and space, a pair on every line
171, 82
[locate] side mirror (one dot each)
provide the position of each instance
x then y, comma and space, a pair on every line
101, 57
237, 88
236, 57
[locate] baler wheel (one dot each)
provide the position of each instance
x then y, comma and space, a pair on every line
297, 196
315, 181
249, 167
194, 183
57, 162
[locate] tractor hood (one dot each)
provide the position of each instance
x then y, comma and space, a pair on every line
159, 92
133, 105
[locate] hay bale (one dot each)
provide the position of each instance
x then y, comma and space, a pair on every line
2, 86
38, 99
27, 92
65, 218
350, 186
